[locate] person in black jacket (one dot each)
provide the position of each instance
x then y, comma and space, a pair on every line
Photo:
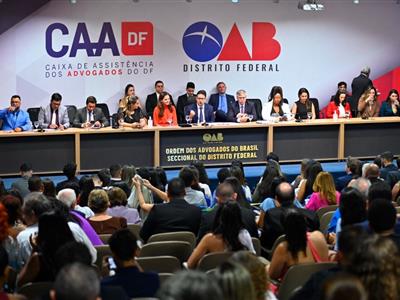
273, 220
176, 215
224, 193
358, 86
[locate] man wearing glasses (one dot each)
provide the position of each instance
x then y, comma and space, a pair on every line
14, 118
200, 112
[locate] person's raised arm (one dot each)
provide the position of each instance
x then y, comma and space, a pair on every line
143, 205
161, 194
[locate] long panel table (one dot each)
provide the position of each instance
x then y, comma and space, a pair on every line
215, 144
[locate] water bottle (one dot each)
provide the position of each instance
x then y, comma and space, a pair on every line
335, 116
150, 123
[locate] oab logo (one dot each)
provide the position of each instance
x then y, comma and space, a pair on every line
203, 41
213, 137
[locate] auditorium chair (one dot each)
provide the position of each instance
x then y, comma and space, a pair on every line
102, 251
135, 229
323, 210
258, 106
104, 108
270, 252
298, 275
104, 238
257, 245
213, 260
316, 106
324, 221
71, 110
185, 236
33, 113
35, 290
181, 250
159, 264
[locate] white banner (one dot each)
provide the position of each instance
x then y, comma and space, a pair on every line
97, 47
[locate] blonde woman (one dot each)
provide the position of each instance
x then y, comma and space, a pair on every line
123, 102
368, 105
324, 192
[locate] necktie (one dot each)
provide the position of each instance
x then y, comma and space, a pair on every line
91, 116
242, 109
222, 103
201, 119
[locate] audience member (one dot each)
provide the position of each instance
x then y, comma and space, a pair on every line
343, 286
191, 196
263, 188
86, 185
21, 184
224, 193
49, 189
123, 245
118, 206
299, 246
101, 221
190, 285
72, 182
324, 192
228, 234
235, 282
222, 174
353, 169
301, 176
273, 221
388, 165
175, 215
116, 180
3, 277
306, 186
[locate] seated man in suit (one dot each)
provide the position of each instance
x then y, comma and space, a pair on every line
116, 172
54, 116
221, 103
152, 99
90, 116
223, 194
175, 215
14, 118
353, 167
200, 112
241, 109
388, 165
273, 221
185, 100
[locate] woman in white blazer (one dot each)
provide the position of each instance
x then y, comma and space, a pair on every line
275, 104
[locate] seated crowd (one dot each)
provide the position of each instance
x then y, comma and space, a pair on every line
194, 108
58, 232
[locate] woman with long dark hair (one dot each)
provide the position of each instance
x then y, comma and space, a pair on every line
165, 113
299, 246
340, 105
228, 234
263, 188
306, 186
303, 108
390, 107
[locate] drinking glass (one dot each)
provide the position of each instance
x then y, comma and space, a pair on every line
187, 118
275, 117
36, 124
169, 120
309, 116
250, 117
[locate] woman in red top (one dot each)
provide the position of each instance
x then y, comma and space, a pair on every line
165, 113
340, 105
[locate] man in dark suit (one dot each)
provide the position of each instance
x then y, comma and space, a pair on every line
176, 215
358, 86
241, 109
224, 193
353, 167
388, 166
90, 116
72, 181
185, 100
152, 99
221, 103
273, 226
116, 172
200, 112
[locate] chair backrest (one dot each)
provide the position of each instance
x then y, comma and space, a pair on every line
135, 229
257, 245
325, 220
33, 113
258, 105
104, 108
164, 277
185, 236
159, 264
298, 275
35, 290
213, 260
104, 238
324, 210
181, 250
279, 240
71, 110
316, 106
103, 250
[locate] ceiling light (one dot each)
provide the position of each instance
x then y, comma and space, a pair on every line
356, 1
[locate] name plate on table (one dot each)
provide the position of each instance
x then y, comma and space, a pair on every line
213, 146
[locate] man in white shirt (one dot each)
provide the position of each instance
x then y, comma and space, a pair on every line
192, 196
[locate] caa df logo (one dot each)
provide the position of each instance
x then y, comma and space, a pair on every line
203, 41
